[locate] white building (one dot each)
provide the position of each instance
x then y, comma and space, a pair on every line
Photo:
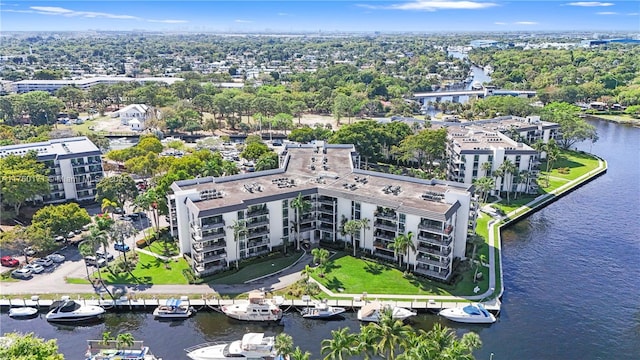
438, 213
74, 167
51, 86
134, 115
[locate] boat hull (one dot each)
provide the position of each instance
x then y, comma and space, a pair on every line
239, 312
312, 313
458, 315
22, 312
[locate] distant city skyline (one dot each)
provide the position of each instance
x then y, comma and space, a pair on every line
328, 16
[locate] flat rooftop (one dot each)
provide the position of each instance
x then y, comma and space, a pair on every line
328, 170
54, 148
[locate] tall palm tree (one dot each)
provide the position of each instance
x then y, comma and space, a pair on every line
498, 174
480, 260
239, 228
524, 178
552, 156
351, 228
390, 334
508, 169
342, 343
485, 185
93, 241
486, 167
119, 232
283, 344
301, 206
320, 256
367, 342
475, 240
401, 245
364, 225
108, 206
306, 272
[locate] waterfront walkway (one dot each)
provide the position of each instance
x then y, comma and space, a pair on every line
289, 276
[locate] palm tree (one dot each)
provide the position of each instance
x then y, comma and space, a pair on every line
342, 343
364, 225
239, 228
524, 178
283, 344
486, 167
106, 337
552, 156
124, 340
475, 240
508, 169
351, 228
320, 256
108, 206
86, 249
297, 354
300, 205
480, 260
93, 241
401, 244
390, 334
484, 185
366, 342
119, 232
498, 173
306, 272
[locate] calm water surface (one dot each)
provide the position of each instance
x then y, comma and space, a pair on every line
572, 283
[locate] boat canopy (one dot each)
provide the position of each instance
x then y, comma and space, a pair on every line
173, 302
251, 340
475, 310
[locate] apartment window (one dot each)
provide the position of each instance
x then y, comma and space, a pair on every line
490, 158
355, 210
240, 215
474, 173
401, 225
476, 158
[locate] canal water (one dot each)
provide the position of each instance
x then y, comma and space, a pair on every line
571, 274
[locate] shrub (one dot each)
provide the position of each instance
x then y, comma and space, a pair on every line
191, 276
564, 170
141, 244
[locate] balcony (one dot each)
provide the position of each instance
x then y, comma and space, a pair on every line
204, 270
207, 258
326, 201
385, 235
205, 236
442, 274
444, 263
385, 254
257, 223
443, 242
430, 226
385, 227
326, 227
253, 244
326, 218
391, 215
253, 212
434, 251
326, 209
199, 247
307, 226
256, 233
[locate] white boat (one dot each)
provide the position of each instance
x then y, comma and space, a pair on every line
321, 310
476, 85
372, 312
173, 309
112, 350
472, 314
69, 310
252, 346
20, 312
258, 308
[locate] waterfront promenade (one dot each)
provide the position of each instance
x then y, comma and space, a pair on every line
287, 277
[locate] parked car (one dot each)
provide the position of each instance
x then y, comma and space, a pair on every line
55, 257
118, 210
59, 238
77, 232
70, 235
101, 254
34, 268
121, 247
29, 251
44, 262
9, 261
94, 261
86, 227
21, 273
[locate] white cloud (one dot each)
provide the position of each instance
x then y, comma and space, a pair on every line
55, 11
283, 14
525, 23
590, 3
633, 14
243, 21
607, 13
433, 5
500, 23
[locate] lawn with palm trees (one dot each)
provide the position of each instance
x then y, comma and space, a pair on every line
355, 276
255, 270
150, 270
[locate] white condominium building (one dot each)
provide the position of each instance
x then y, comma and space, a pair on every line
24, 86
74, 166
439, 214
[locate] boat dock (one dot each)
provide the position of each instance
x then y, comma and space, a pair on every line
214, 304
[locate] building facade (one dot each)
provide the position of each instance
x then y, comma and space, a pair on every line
74, 166
209, 214
24, 86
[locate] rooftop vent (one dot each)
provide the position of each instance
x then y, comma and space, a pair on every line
210, 194
252, 187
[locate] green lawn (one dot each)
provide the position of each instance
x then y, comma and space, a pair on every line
578, 164
514, 203
355, 276
150, 270
256, 270
164, 248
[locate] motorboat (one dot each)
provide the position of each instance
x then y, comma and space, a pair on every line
70, 310
173, 309
372, 312
321, 310
476, 85
112, 350
252, 346
257, 308
22, 312
472, 314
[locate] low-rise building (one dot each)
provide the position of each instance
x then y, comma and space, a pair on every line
74, 166
206, 214
24, 86
134, 116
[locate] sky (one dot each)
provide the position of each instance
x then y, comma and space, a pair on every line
314, 16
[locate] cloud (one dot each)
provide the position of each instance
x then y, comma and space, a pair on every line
243, 21
590, 3
59, 11
283, 14
525, 23
633, 14
433, 5
500, 23
607, 13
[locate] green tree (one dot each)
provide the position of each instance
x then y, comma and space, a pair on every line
145, 166
390, 334
41, 107
402, 244
321, 257
124, 340
29, 347
573, 128
365, 225
61, 219
509, 170
351, 228
239, 228
22, 178
267, 161
301, 206
341, 345
298, 354
150, 143
283, 344
254, 150
122, 188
